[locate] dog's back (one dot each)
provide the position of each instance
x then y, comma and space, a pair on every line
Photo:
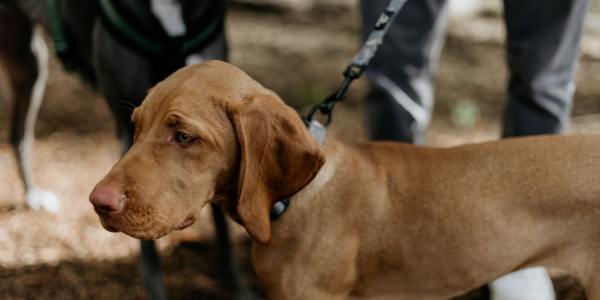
444, 211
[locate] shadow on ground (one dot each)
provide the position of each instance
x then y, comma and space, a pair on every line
191, 271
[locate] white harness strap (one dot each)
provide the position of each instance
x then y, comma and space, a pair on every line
169, 15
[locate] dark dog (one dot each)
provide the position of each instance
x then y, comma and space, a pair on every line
122, 59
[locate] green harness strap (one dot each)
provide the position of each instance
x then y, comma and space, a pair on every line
184, 45
191, 44
59, 35
127, 34
127, 30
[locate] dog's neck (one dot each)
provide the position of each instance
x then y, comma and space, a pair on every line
319, 181
318, 132
226, 196
311, 190
226, 193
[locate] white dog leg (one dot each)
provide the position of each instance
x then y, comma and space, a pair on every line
526, 284
36, 198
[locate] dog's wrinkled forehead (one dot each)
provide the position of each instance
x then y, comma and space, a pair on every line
212, 80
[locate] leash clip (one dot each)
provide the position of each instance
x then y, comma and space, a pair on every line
317, 131
279, 208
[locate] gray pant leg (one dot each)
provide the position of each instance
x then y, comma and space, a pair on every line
543, 45
400, 101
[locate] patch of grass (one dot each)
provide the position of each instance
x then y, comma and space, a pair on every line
308, 94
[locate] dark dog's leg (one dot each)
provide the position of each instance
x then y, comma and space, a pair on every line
24, 55
124, 79
150, 266
227, 256
151, 272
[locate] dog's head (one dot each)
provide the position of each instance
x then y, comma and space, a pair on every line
207, 133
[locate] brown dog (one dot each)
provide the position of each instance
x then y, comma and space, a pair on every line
370, 219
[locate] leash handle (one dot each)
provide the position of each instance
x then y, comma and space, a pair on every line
359, 63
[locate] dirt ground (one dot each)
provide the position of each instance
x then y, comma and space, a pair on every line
300, 56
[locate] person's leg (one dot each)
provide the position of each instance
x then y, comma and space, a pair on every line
543, 40
543, 46
400, 101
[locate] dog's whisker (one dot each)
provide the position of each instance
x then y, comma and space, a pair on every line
125, 108
162, 220
130, 105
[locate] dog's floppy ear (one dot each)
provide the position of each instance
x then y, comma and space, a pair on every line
278, 158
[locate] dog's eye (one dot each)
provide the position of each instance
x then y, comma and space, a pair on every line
184, 138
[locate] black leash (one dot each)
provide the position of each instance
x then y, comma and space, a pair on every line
359, 63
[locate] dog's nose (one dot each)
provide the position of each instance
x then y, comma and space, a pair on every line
107, 200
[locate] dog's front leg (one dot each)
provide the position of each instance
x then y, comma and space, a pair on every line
320, 266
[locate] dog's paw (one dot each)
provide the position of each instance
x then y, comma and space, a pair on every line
530, 284
39, 199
